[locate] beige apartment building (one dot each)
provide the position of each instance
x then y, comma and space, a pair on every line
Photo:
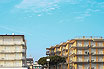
12, 51
81, 53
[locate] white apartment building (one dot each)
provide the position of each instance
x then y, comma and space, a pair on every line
12, 51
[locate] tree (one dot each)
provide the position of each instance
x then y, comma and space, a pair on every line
42, 61
55, 60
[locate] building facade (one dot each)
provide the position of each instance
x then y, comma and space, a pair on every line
81, 53
60, 50
36, 65
12, 51
87, 53
29, 62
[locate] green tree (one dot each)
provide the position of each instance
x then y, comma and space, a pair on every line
55, 60
42, 61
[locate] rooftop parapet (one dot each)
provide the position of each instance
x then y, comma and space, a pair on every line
88, 37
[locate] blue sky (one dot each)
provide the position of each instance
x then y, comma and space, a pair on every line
48, 22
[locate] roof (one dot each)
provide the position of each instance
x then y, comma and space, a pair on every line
14, 35
52, 47
29, 59
72, 41
11, 35
89, 38
57, 46
64, 43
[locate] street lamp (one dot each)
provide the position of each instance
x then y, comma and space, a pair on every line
48, 60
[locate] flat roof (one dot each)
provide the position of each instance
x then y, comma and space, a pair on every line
11, 35
14, 35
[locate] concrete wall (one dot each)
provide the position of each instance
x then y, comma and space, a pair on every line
13, 68
9, 45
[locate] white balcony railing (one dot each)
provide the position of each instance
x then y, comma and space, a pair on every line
11, 51
15, 58
12, 43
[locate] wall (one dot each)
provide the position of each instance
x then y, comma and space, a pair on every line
13, 68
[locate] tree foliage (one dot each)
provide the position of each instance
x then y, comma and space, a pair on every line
42, 61
54, 60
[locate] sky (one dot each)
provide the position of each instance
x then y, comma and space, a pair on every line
46, 23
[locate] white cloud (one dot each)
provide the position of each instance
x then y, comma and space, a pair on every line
38, 5
39, 15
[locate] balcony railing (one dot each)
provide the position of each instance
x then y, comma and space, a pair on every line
98, 54
52, 53
80, 62
98, 47
12, 51
80, 47
79, 54
47, 52
66, 55
87, 47
58, 51
100, 61
12, 44
88, 37
15, 58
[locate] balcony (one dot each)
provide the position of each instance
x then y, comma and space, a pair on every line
66, 55
79, 54
23, 50
63, 49
13, 44
58, 51
13, 51
99, 54
76, 62
47, 53
47, 48
97, 47
101, 61
52, 53
15, 58
80, 47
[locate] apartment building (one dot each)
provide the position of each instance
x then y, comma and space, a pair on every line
60, 50
36, 65
12, 51
30, 62
87, 53
81, 53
